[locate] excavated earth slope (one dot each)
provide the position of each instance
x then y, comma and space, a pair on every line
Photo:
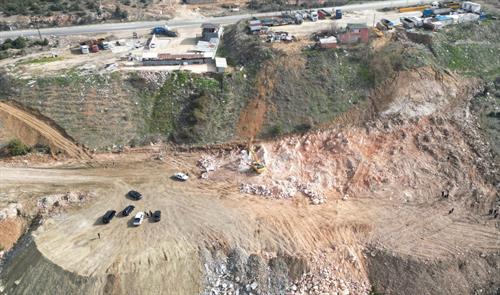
403, 205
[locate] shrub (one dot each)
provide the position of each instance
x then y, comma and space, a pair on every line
275, 130
303, 128
17, 148
119, 13
6, 45
43, 42
56, 7
19, 43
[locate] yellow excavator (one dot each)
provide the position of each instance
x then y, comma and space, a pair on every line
257, 165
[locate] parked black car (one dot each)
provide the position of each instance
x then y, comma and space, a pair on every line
128, 210
135, 195
108, 216
157, 215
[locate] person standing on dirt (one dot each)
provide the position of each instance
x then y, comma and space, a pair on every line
99, 235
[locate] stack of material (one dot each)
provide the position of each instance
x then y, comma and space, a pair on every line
328, 42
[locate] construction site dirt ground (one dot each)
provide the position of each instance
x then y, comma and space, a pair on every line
201, 212
383, 189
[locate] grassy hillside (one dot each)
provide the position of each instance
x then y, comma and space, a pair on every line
268, 93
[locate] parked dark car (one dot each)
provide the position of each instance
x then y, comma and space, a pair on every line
135, 195
108, 216
128, 210
157, 215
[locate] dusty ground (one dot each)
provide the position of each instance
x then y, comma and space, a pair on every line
383, 186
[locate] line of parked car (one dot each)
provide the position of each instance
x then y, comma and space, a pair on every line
135, 195
139, 217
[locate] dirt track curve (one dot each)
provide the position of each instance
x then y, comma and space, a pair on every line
32, 130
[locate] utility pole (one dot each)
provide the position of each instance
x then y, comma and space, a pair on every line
37, 26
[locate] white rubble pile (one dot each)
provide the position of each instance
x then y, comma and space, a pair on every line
52, 204
326, 278
245, 161
256, 189
11, 211
219, 281
207, 163
284, 189
314, 196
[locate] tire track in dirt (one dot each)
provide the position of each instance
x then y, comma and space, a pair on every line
57, 141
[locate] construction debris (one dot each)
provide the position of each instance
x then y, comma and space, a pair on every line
280, 37
54, 204
207, 163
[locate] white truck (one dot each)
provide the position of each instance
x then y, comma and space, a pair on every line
471, 7
313, 15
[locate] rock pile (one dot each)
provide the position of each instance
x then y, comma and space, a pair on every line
207, 163
314, 197
284, 189
325, 278
53, 204
245, 161
11, 211
256, 189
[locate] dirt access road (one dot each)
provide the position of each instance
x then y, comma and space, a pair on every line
32, 130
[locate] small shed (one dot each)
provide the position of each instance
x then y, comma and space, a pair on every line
354, 33
210, 31
220, 64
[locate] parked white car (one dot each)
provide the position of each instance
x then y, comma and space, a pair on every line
139, 217
181, 176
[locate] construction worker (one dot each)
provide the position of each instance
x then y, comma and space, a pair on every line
99, 235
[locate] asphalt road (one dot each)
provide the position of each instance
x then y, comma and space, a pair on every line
130, 26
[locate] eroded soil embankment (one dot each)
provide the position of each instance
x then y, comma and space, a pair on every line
32, 130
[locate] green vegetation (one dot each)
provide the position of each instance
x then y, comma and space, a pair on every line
470, 49
41, 60
16, 147
190, 108
18, 45
82, 8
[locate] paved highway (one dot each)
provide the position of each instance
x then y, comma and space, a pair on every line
130, 26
